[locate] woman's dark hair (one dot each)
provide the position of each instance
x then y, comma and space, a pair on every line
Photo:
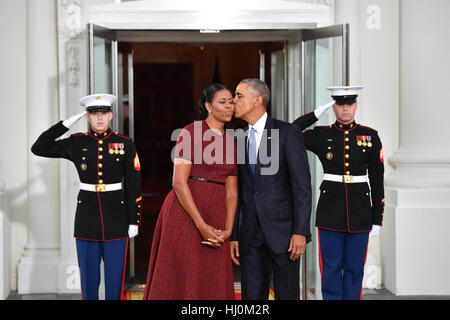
207, 96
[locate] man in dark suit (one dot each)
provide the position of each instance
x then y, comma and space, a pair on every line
272, 224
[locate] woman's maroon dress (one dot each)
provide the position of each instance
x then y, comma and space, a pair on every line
180, 266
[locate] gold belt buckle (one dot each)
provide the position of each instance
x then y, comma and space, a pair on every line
347, 179
100, 188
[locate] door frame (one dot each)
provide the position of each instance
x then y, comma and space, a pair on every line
342, 30
288, 37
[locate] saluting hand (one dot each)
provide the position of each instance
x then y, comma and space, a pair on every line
73, 119
321, 109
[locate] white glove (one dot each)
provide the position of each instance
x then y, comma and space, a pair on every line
375, 231
321, 109
73, 119
132, 231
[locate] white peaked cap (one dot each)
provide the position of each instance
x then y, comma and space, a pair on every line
344, 91
98, 100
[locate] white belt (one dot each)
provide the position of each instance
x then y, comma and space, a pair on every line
344, 179
101, 187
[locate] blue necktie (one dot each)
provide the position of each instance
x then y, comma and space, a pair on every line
252, 150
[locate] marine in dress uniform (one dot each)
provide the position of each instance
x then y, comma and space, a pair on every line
109, 202
348, 209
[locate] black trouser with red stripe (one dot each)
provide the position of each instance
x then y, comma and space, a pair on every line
342, 257
90, 254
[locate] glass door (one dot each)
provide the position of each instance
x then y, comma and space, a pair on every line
325, 64
111, 71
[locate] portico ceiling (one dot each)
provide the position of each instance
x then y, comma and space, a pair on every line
209, 14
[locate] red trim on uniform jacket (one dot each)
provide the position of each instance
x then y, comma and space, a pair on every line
307, 114
355, 125
368, 128
101, 138
101, 215
321, 127
346, 206
122, 136
345, 185
98, 195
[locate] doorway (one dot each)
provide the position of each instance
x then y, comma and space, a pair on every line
158, 77
168, 81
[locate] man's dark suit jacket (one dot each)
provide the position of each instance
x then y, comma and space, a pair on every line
280, 202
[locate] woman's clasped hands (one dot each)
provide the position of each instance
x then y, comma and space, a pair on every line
213, 237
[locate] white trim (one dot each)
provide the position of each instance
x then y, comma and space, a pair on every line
212, 15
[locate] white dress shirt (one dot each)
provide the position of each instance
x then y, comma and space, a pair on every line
259, 129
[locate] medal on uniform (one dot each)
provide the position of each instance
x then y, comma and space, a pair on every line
111, 147
369, 144
84, 167
359, 142
364, 141
329, 156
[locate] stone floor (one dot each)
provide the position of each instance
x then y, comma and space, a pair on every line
368, 294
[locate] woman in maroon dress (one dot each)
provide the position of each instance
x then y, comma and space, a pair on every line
190, 256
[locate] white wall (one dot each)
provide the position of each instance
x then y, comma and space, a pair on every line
415, 246
13, 119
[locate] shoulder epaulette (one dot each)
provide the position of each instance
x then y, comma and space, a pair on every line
122, 136
367, 128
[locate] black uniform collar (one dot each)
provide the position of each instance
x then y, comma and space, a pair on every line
342, 126
100, 135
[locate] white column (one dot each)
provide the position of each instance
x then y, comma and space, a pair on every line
38, 266
416, 242
4, 245
72, 57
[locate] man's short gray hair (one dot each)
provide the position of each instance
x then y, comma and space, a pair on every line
259, 88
